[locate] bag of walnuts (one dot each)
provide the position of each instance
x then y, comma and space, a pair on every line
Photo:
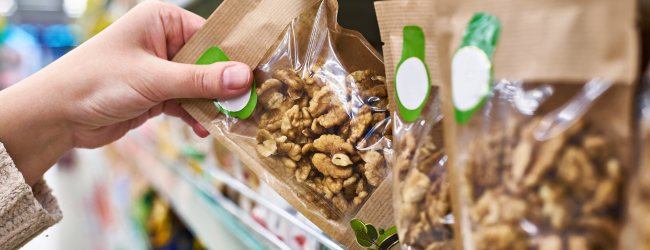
421, 189
538, 105
315, 126
636, 231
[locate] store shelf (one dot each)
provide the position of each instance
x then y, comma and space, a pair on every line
213, 202
215, 220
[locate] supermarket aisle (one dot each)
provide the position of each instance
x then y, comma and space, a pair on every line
93, 204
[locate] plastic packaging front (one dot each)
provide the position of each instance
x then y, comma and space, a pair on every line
320, 132
541, 160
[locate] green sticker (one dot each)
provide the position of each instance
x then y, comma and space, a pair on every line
412, 81
471, 66
241, 106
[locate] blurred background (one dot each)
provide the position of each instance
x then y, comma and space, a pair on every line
160, 187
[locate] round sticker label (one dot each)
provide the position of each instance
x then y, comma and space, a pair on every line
470, 77
235, 103
412, 83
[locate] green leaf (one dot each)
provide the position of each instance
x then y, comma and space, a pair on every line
363, 240
371, 248
386, 234
381, 231
371, 231
358, 226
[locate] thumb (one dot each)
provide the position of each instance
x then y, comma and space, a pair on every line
218, 80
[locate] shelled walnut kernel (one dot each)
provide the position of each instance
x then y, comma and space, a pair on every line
567, 188
312, 125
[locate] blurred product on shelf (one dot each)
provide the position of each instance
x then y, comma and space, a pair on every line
421, 185
187, 153
538, 120
163, 227
636, 230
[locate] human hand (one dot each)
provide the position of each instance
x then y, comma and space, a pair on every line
109, 85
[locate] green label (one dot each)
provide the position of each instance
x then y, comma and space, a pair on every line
240, 106
471, 66
412, 79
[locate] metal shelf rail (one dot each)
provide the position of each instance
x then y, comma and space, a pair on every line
205, 187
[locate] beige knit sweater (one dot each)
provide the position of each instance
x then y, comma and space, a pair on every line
24, 212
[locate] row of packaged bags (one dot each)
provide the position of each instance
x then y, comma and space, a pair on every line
495, 124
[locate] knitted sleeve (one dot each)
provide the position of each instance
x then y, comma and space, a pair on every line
24, 212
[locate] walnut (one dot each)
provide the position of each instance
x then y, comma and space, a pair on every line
303, 171
360, 123
307, 148
605, 195
361, 188
576, 169
344, 131
415, 186
374, 167
316, 184
351, 180
341, 160
577, 242
548, 150
377, 118
407, 148
438, 199
334, 184
311, 86
321, 101
595, 146
294, 121
292, 80
324, 165
328, 194
555, 208
501, 236
365, 78
289, 163
548, 242
288, 148
336, 147
335, 116
271, 120
340, 203
266, 144
362, 193
303, 102
268, 94
367, 84
316, 128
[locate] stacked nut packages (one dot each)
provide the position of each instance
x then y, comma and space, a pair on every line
315, 127
421, 189
636, 231
538, 120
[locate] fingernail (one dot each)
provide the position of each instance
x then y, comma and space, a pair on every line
236, 77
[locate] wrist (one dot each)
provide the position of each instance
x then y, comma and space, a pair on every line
32, 126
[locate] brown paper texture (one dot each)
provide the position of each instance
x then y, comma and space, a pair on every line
563, 44
245, 30
550, 41
414, 141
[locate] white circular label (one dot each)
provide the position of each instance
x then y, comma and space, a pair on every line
470, 76
412, 83
236, 103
